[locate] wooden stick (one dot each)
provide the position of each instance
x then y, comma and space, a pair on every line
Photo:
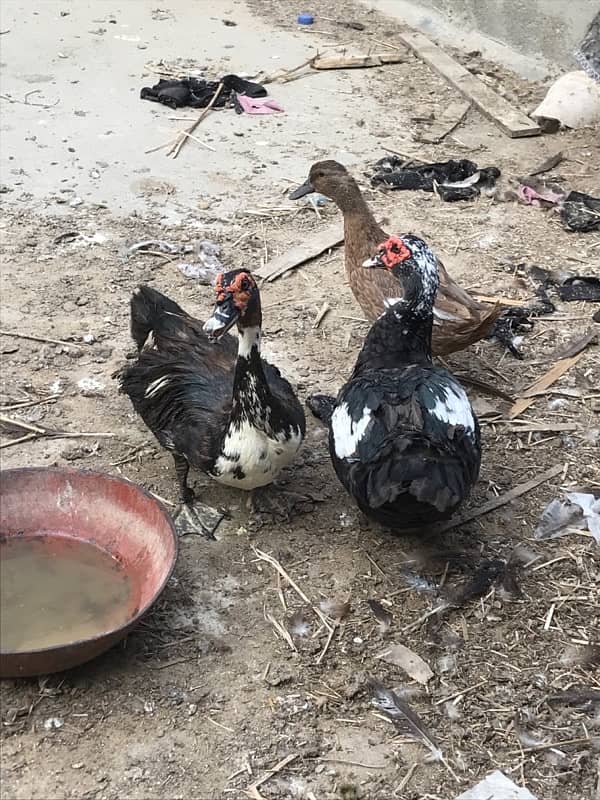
199, 141
300, 253
174, 151
160, 146
251, 790
50, 399
31, 338
502, 500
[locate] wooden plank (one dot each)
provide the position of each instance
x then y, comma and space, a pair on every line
309, 248
511, 121
356, 62
449, 119
528, 396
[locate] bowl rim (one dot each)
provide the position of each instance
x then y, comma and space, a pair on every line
130, 623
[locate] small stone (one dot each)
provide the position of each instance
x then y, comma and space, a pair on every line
78, 765
53, 723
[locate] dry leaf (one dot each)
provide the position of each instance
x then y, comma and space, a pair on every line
410, 662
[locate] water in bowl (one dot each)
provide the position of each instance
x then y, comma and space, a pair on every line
55, 590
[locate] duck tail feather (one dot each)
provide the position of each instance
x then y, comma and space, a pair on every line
147, 306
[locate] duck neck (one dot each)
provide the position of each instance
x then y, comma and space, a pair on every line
250, 390
361, 231
401, 336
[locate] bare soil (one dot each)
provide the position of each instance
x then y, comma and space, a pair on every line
205, 696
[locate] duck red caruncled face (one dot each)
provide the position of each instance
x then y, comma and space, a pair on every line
393, 252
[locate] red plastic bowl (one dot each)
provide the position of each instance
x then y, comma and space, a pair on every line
113, 513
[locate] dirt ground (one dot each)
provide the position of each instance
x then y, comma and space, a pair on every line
205, 696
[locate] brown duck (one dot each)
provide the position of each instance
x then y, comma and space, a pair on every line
459, 320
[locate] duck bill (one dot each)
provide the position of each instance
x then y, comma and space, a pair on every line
374, 263
301, 191
224, 317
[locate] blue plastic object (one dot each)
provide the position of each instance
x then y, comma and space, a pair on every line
305, 19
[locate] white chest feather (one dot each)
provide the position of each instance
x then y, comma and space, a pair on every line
346, 432
250, 458
454, 408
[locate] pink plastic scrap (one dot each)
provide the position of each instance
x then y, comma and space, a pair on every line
530, 197
252, 105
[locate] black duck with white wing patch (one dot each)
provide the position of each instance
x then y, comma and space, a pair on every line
215, 406
403, 438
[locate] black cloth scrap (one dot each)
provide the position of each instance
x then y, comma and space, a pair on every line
197, 93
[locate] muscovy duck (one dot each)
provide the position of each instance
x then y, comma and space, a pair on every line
459, 320
403, 438
215, 406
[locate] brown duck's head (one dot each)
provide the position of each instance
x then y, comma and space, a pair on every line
238, 301
329, 178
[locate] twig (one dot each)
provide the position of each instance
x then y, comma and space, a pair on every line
17, 406
199, 141
456, 695
552, 745
43, 339
38, 431
353, 763
335, 626
251, 790
219, 724
160, 146
319, 318
20, 440
174, 151
276, 565
502, 499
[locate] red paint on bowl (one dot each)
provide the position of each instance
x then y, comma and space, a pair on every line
110, 512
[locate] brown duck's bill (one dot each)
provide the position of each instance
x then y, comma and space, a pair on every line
373, 263
305, 189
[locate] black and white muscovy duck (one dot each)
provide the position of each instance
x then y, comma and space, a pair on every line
214, 405
403, 437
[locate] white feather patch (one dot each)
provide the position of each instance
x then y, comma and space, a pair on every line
347, 433
453, 407
157, 386
242, 449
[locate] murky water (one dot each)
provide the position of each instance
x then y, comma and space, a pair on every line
56, 590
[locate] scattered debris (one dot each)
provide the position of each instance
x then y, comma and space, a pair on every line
205, 272
574, 346
451, 180
548, 164
409, 661
538, 193
568, 286
496, 786
310, 248
581, 212
159, 246
448, 120
579, 510
479, 583
501, 500
513, 122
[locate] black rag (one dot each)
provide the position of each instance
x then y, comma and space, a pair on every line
452, 180
197, 93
